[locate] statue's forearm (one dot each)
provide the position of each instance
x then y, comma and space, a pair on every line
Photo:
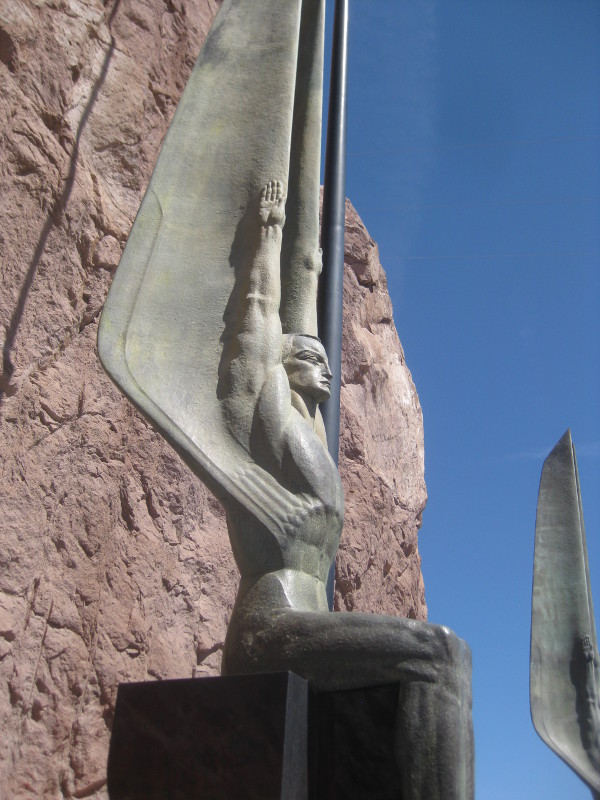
299, 290
264, 279
254, 347
259, 326
259, 311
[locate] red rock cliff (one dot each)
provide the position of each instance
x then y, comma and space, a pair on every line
114, 560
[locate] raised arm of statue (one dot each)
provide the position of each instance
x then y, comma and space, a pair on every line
271, 385
266, 373
253, 344
257, 343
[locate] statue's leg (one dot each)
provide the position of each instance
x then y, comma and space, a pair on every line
300, 255
434, 734
335, 652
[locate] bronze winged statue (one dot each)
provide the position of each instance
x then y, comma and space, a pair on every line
565, 667
210, 328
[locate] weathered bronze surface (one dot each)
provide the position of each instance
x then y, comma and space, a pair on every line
210, 328
564, 651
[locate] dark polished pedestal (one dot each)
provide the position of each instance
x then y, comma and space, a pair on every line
351, 740
252, 737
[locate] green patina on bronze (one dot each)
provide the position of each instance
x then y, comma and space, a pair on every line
564, 651
210, 327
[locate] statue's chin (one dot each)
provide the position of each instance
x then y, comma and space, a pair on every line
320, 395
316, 394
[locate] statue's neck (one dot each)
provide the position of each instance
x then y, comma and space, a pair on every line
306, 406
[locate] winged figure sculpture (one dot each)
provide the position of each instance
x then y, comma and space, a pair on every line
564, 671
210, 328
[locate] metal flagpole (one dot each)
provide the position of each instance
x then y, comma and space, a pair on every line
332, 233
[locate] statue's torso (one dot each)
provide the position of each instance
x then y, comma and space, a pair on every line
308, 513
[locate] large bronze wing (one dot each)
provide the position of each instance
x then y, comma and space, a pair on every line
564, 650
160, 336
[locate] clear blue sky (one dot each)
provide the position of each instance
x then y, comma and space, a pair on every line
474, 160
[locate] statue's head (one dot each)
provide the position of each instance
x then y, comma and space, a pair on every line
305, 361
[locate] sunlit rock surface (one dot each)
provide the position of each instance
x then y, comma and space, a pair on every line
114, 560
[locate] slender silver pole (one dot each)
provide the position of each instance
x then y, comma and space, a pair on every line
332, 232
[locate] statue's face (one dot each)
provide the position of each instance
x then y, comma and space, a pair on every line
308, 369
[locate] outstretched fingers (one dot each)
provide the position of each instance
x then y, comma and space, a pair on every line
272, 192
272, 204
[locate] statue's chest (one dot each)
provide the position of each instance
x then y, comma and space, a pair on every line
307, 467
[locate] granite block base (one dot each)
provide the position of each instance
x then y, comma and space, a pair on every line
252, 737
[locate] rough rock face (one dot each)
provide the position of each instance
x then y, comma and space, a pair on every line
378, 567
114, 560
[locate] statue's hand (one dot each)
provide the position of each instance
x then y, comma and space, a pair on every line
588, 649
272, 204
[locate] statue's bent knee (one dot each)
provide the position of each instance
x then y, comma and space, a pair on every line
449, 655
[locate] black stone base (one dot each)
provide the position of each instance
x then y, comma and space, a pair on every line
252, 737
351, 739
210, 739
